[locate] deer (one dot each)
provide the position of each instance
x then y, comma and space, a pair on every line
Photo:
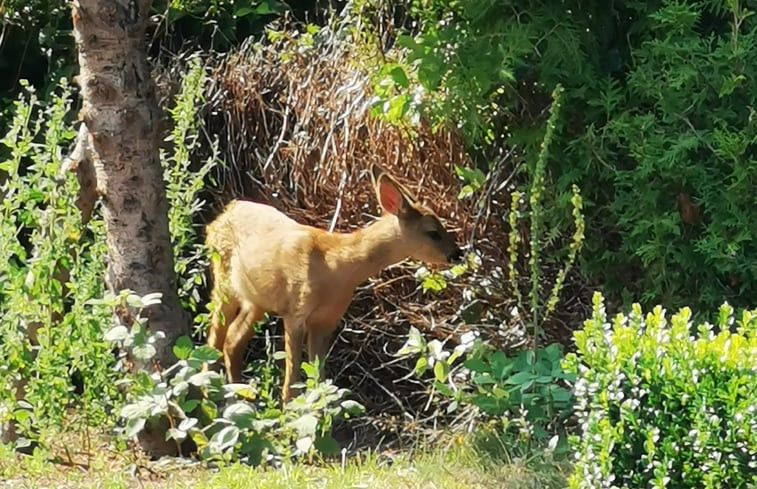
265, 262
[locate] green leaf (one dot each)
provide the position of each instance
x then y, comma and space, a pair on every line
202, 355
501, 366
117, 333
441, 371
434, 282
310, 371
209, 409
226, 438
484, 379
144, 352
398, 106
254, 447
189, 405
476, 365
134, 426
175, 434
444, 389
241, 414
415, 343
243, 11
268, 7
500, 393
560, 394
305, 425
399, 77
205, 354
183, 347
202, 379
141, 408
405, 41
352, 407
180, 388
327, 445
520, 378
421, 366
489, 405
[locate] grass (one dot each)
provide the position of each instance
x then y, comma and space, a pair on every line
460, 465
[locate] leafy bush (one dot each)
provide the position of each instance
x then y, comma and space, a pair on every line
185, 180
527, 391
52, 333
225, 422
683, 133
661, 136
664, 404
49, 335
530, 385
37, 44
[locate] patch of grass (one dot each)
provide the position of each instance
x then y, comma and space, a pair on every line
459, 464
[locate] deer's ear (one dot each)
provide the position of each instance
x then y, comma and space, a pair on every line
391, 196
376, 172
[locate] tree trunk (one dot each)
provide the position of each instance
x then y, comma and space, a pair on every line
121, 114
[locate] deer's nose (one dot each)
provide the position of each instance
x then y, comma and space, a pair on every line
456, 256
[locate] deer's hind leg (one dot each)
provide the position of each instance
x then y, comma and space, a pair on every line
294, 337
238, 335
225, 310
319, 341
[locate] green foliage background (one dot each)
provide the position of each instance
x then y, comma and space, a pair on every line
659, 102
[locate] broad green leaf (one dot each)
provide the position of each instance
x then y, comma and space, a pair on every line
226, 438
134, 426
305, 425
520, 378
117, 333
441, 371
183, 347
327, 445
399, 77
444, 389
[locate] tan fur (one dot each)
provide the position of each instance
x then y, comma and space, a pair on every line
266, 262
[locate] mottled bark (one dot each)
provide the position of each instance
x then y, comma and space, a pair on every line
122, 119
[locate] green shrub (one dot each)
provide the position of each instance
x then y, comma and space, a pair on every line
663, 404
226, 422
529, 386
678, 131
39, 208
661, 116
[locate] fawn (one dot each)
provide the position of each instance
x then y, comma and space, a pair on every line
265, 262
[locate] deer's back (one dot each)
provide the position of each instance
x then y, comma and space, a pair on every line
268, 257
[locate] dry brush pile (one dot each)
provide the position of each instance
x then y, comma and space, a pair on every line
293, 119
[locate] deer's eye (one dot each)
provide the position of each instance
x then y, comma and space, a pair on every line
434, 235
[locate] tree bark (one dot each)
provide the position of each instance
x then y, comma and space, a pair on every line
121, 115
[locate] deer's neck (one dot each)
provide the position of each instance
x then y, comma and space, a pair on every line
364, 253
